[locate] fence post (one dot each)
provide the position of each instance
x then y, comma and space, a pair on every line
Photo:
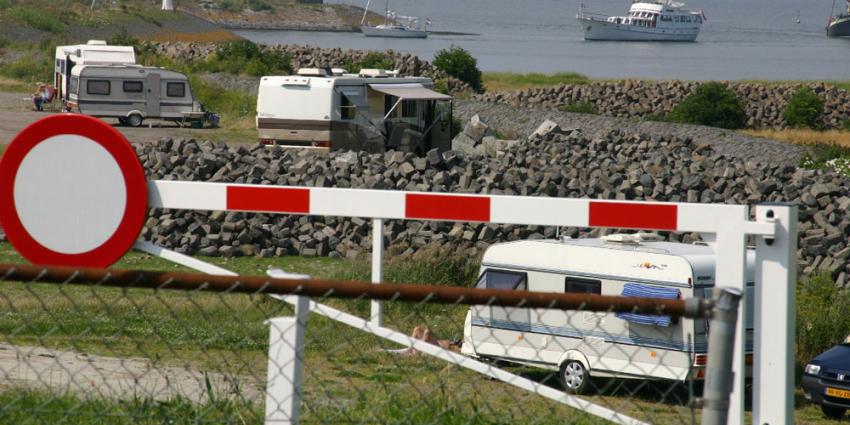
719, 377
286, 362
775, 305
377, 265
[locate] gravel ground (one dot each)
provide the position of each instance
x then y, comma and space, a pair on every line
514, 122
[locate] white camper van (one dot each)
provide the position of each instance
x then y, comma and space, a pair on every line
133, 93
374, 110
95, 52
579, 344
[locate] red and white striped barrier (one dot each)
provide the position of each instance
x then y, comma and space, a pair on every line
386, 204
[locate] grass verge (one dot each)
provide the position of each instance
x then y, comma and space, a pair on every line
805, 136
503, 81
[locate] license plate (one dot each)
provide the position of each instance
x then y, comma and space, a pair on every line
835, 392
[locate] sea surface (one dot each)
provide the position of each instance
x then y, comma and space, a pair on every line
742, 39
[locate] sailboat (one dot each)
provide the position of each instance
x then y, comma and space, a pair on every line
393, 29
839, 25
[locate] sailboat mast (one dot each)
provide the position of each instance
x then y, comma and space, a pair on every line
387, 12
365, 12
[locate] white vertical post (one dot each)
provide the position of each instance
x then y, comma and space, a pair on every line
730, 271
775, 306
377, 265
167, 5
286, 363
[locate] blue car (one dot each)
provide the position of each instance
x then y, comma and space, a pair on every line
826, 380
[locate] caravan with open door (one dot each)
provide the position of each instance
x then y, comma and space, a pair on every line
581, 345
373, 110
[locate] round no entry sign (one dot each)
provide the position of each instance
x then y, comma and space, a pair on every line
72, 192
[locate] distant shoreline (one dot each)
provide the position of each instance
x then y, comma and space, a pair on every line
320, 28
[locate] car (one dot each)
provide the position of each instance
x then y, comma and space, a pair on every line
826, 380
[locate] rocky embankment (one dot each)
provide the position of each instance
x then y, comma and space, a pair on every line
552, 162
637, 99
318, 57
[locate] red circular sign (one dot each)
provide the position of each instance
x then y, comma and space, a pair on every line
25, 215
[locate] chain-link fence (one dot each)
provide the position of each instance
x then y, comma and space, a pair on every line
94, 346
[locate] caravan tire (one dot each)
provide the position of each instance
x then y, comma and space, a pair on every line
135, 120
574, 377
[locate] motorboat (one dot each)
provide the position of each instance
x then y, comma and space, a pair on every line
839, 25
394, 26
662, 20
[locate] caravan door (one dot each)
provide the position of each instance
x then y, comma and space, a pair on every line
152, 97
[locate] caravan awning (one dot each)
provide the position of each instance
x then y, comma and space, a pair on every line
409, 91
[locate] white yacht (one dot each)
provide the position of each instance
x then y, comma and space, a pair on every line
391, 26
661, 20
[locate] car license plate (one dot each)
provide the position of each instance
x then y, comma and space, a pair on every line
835, 392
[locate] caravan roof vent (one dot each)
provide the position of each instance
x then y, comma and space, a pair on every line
96, 43
337, 72
373, 73
313, 72
622, 238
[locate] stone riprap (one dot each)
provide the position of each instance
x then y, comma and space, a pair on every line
511, 122
556, 163
313, 57
637, 99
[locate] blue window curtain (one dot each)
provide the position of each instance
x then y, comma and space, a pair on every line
647, 291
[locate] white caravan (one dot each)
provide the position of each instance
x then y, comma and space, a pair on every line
133, 93
95, 52
374, 110
579, 344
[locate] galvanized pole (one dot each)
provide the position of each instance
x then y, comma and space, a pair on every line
377, 265
719, 376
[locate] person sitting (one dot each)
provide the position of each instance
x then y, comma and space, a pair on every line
427, 336
43, 94
38, 97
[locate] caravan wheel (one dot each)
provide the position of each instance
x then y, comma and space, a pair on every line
134, 120
574, 377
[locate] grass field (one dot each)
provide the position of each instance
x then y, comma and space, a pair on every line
502, 81
347, 378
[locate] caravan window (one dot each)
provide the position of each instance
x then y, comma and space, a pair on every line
175, 89
408, 109
97, 87
72, 86
347, 109
582, 286
502, 279
133, 86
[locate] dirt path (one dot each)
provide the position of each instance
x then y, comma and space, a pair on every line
16, 113
118, 378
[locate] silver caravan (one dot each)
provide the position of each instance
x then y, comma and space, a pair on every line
581, 345
95, 52
133, 93
373, 110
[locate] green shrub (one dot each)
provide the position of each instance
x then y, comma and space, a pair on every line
845, 125
38, 18
245, 57
822, 316
122, 38
458, 63
818, 156
228, 103
583, 107
804, 109
29, 68
5, 4
712, 104
377, 60
230, 6
259, 6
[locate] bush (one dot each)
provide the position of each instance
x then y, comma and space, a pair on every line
584, 107
372, 60
458, 63
822, 312
245, 57
712, 104
804, 109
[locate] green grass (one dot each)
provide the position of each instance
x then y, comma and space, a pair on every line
500, 81
41, 18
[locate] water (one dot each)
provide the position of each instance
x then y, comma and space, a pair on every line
743, 39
